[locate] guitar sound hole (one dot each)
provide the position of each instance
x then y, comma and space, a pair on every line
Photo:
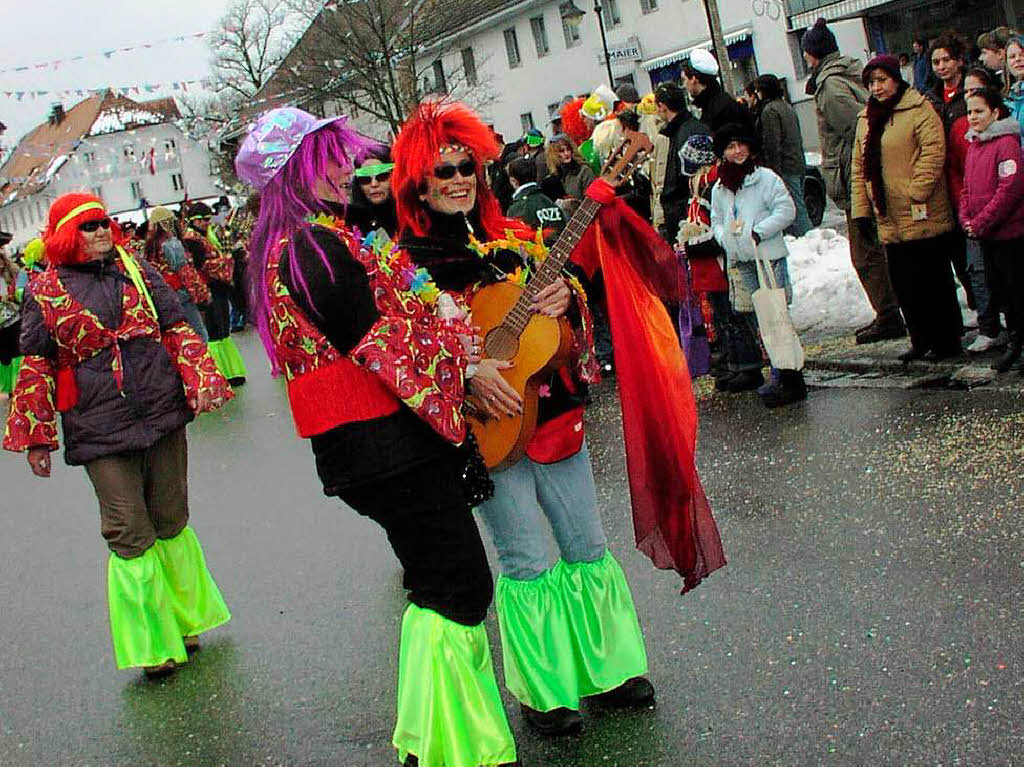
501, 344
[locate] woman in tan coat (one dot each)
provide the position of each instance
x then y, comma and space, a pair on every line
897, 178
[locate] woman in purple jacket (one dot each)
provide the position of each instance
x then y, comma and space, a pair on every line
990, 207
107, 346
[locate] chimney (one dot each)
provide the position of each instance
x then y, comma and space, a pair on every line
57, 114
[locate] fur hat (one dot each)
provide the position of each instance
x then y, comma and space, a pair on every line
819, 40
735, 132
160, 214
697, 152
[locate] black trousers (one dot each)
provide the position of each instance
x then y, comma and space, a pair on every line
923, 280
218, 313
434, 535
1004, 275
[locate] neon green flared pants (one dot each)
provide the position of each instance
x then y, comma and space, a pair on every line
570, 633
229, 360
160, 597
449, 707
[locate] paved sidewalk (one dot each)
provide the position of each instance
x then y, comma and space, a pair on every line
840, 362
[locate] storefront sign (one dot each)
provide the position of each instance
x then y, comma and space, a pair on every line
623, 53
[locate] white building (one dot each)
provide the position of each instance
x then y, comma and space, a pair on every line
527, 55
131, 154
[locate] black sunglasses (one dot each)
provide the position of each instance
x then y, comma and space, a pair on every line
445, 171
92, 226
379, 178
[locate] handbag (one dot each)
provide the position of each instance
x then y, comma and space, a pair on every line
777, 331
693, 335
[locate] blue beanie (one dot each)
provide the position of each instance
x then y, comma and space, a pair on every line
819, 40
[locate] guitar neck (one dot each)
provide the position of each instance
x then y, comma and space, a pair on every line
551, 268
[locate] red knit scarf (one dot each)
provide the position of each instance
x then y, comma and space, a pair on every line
879, 115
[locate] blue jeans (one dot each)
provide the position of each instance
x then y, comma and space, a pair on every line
988, 312
529, 498
802, 223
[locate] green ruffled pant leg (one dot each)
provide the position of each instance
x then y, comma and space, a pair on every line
229, 360
449, 708
143, 624
197, 602
570, 633
9, 375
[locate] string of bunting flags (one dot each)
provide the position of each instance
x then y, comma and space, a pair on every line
56, 64
135, 90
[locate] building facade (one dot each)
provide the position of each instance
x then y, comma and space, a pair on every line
131, 154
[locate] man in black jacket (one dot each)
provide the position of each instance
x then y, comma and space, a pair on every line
680, 124
717, 108
529, 203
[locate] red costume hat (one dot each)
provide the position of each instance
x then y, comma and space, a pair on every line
62, 239
573, 123
434, 127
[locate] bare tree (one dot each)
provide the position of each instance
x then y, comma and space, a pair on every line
248, 46
373, 57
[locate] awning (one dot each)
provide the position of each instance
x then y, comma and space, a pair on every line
832, 12
733, 36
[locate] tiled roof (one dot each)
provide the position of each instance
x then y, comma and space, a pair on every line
440, 18
40, 153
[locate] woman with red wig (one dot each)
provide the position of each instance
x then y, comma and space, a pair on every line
106, 345
376, 383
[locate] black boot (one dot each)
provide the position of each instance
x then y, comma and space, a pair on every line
913, 353
1010, 355
791, 388
558, 721
883, 329
722, 381
637, 692
745, 380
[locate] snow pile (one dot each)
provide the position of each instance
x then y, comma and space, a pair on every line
55, 166
827, 296
115, 120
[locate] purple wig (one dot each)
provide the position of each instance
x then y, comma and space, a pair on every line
286, 203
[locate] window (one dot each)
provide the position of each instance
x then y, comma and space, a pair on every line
526, 119
97, 191
610, 13
89, 157
129, 152
469, 66
170, 148
136, 187
570, 31
177, 182
39, 211
553, 110
540, 36
440, 86
512, 48
21, 217
646, 6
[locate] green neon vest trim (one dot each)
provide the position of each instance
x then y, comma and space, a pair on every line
570, 633
449, 707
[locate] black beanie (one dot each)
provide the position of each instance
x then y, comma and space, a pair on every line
735, 132
819, 40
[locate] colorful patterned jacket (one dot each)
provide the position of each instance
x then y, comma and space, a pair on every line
214, 264
123, 369
409, 356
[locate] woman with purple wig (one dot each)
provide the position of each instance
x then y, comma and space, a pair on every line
376, 381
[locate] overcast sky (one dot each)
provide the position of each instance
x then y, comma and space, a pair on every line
35, 31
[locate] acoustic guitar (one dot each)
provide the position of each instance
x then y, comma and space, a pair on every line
537, 344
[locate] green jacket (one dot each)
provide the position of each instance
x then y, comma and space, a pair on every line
531, 205
839, 97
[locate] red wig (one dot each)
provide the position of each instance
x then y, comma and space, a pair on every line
417, 150
573, 123
62, 239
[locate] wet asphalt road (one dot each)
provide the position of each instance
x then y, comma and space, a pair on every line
871, 611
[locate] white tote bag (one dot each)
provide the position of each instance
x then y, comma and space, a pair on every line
777, 331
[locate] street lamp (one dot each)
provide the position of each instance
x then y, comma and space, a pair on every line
571, 15
604, 43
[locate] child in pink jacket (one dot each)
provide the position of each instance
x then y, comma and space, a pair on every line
991, 209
